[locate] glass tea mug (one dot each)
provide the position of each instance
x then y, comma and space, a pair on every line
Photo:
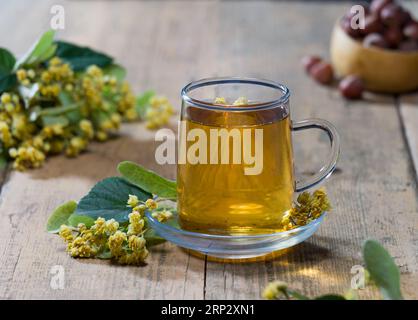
250, 189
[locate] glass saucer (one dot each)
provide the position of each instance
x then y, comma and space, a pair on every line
233, 247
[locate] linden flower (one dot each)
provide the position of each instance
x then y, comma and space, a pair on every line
28, 157
111, 226
304, 198
136, 243
86, 127
134, 258
136, 229
134, 217
133, 201
31, 73
106, 125
275, 290
6, 98
151, 204
66, 233
159, 112
85, 251
99, 226
136, 223
130, 114
21, 74
69, 87
94, 71
140, 209
220, 100
163, 215
241, 101
13, 152
116, 120
81, 227
101, 136
54, 61
88, 235
308, 208
100, 97
115, 243
76, 145
80, 248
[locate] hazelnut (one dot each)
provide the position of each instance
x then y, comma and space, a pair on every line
309, 61
351, 87
375, 40
406, 17
377, 5
372, 24
411, 30
392, 15
393, 36
322, 72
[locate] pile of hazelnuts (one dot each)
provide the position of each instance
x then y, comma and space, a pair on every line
387, 25
351, 86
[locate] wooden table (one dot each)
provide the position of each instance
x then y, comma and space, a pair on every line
165, 44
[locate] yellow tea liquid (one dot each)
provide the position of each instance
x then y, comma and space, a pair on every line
220, 198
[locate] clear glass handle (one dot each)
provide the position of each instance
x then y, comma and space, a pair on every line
334, 139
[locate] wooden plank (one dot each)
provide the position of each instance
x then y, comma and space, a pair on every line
161, 56
408, 111
407, 106
374, 192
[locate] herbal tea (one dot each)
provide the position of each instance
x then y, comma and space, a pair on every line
219, 197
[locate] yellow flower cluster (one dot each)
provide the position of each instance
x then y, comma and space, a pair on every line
33, 128
241, 101
54, 79
25, 77
162, 216
158, 113
308, 208
275, 290
126, 244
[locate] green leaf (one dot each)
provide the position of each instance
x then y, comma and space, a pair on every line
7, 82
50, 120
81, 57
104, 254
7, 61
60, 216
48, 54
382, 269
57, 111
75, 219
116, 71
3, 161
148, 180
330, 297
69, 107
142, 102
107, 199
65, 98
74, 116
39, 52
297, 295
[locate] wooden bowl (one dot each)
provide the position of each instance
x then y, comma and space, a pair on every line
382, 70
